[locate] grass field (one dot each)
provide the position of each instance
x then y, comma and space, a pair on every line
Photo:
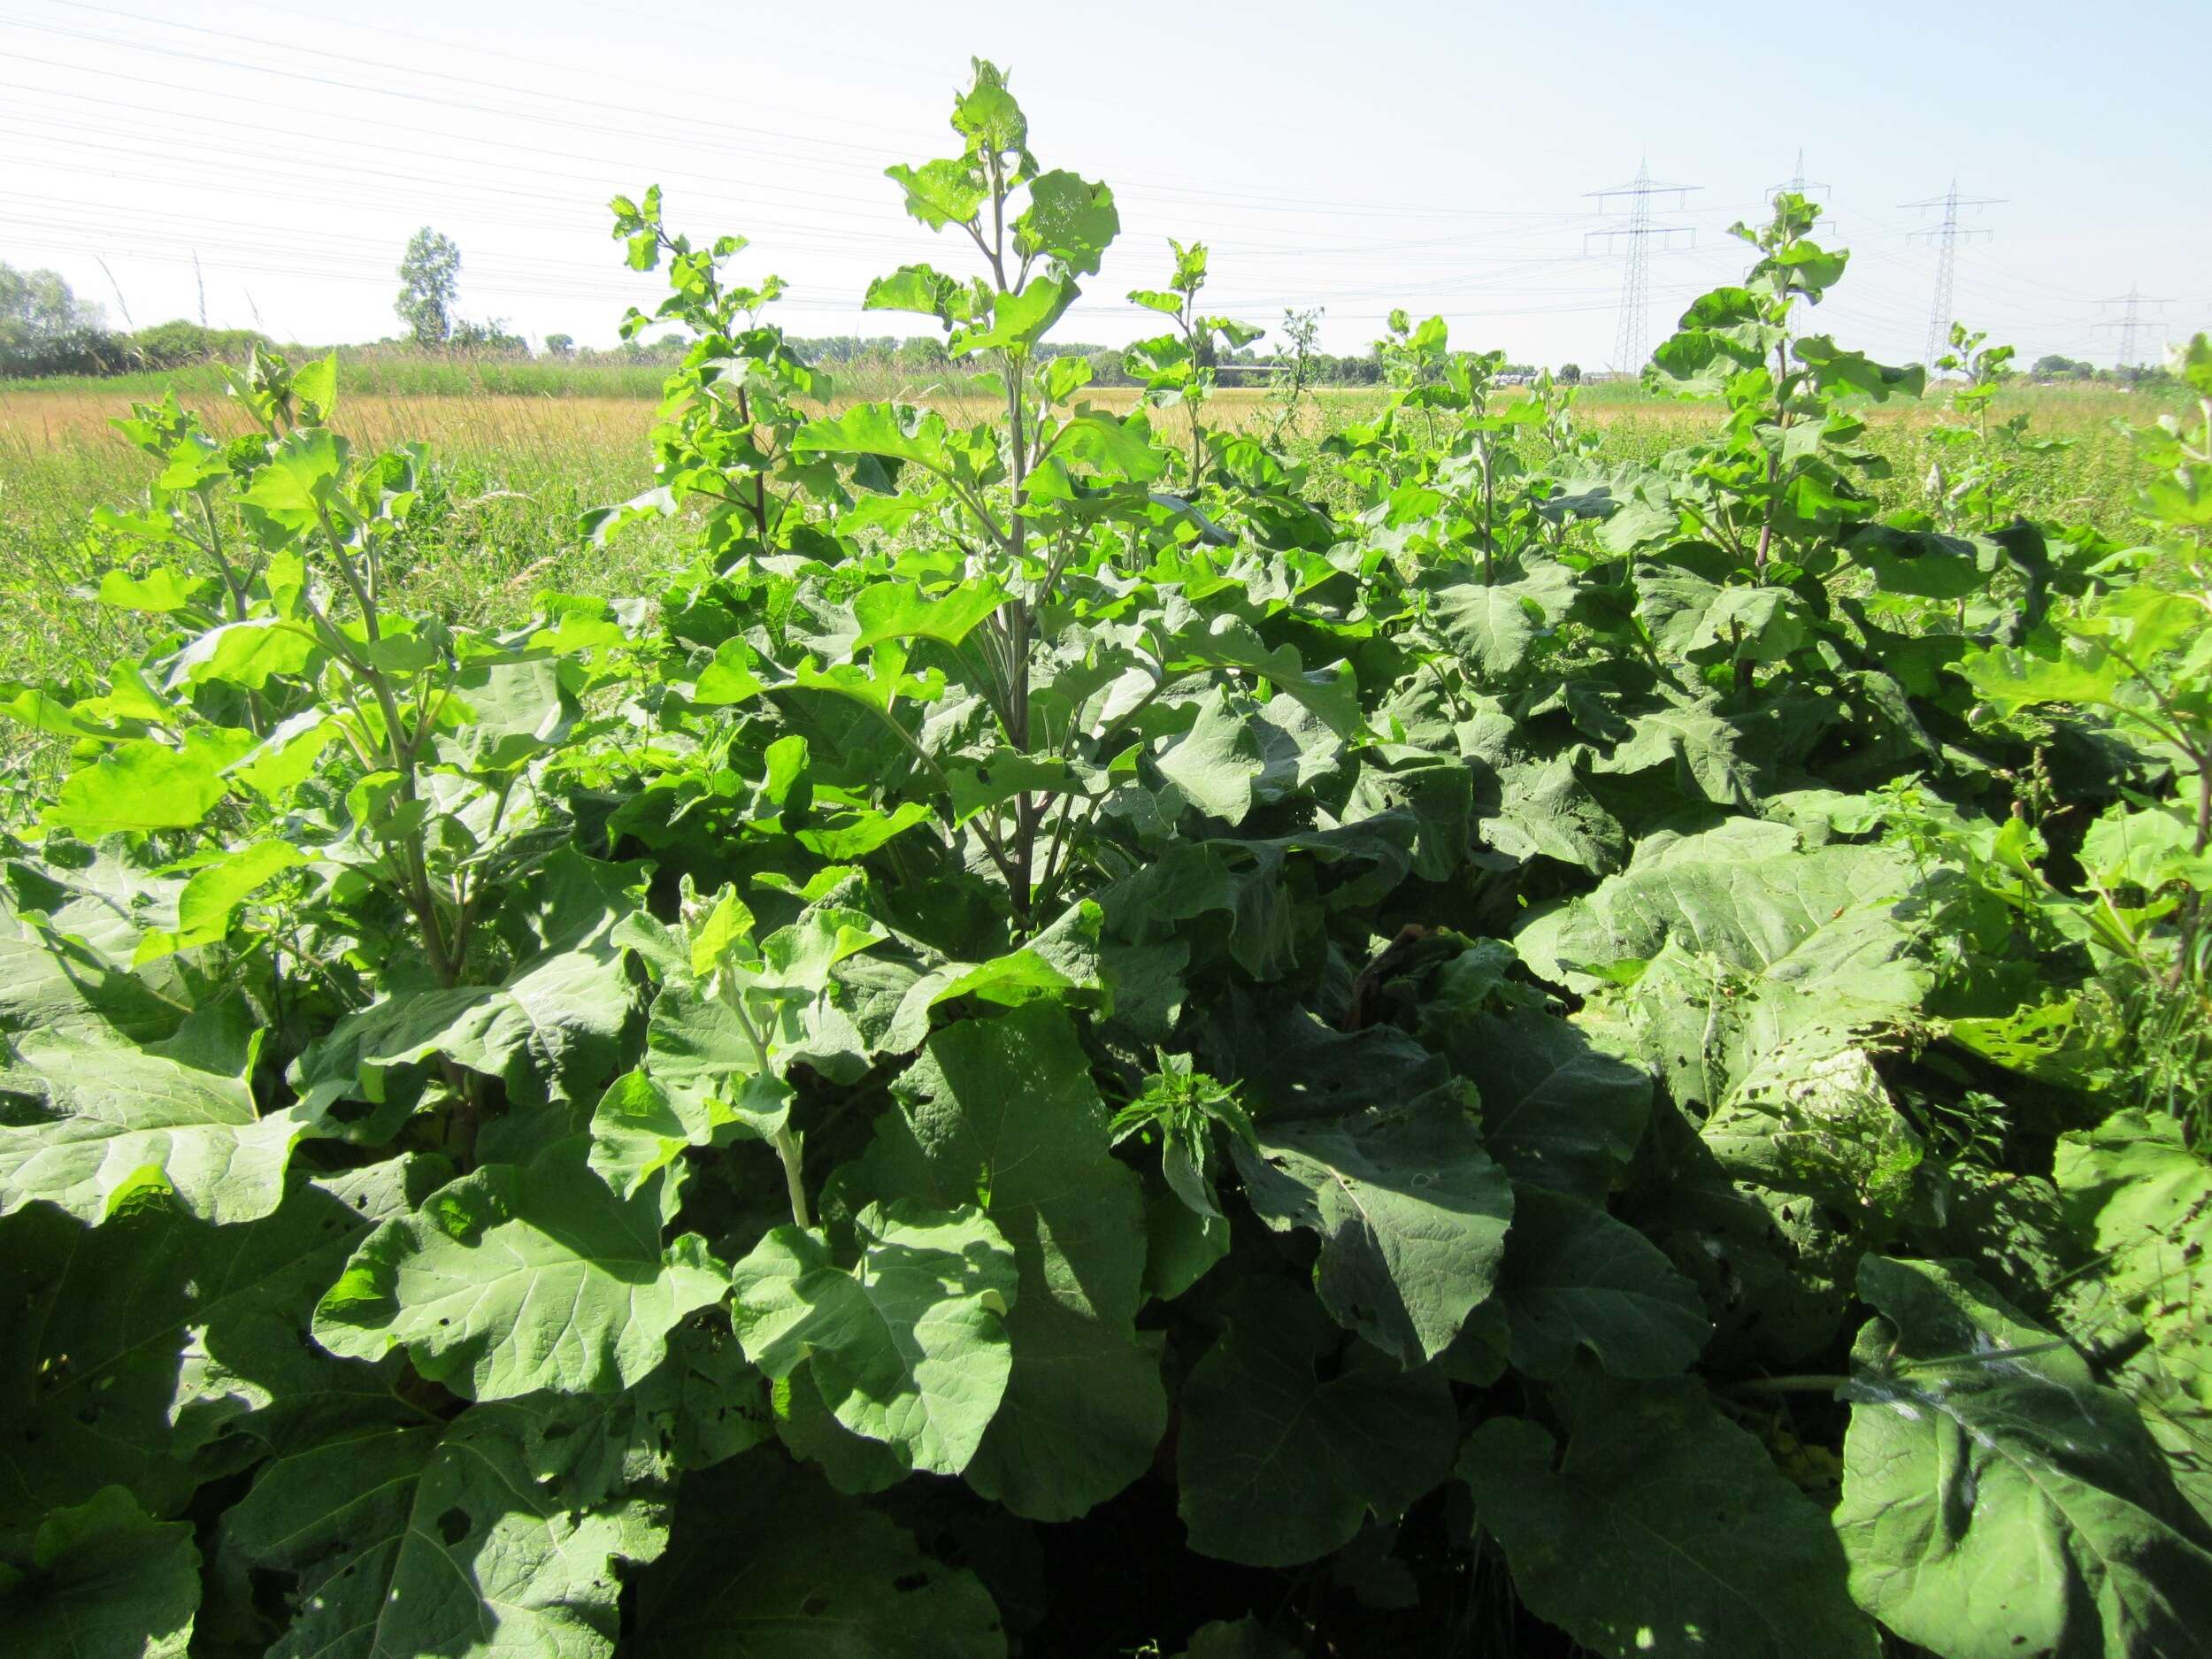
524, 448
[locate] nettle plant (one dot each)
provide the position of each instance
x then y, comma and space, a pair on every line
1025, 1061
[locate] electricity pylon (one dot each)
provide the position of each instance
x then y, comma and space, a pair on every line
1947, 236
2129, 320
1631, 345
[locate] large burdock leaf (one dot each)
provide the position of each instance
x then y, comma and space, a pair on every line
1662, 1528
893, 610
143, 785
1699, 744
1762, 982
126, 1347
898, 431
1557, 1110
1492, 624
549, 1024
97, 1118
515, 1279
1216, 762
1576, 1279
104, 1582
1003, 1111
1282, 1456
488, 1535
1412, 1214
907, 1346
1744, 894
766, 1561
1997, 1499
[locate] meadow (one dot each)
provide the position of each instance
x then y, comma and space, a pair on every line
522, 450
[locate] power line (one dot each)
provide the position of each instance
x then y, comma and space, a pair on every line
1947, 236
695, 134
1630, 347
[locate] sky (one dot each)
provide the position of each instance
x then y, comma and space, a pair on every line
263, 164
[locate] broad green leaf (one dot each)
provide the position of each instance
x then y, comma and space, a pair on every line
160, 591
1020, 320
2070, 672
1059, 964
823, 1578
1743, 895
1576, 1280
551, 1023
479, 1538
1662, 1529
316, 387
2145, 848
1698, 742
907, 1346
215, 893
916, 288
729, 679
280, 761
639, 1127
296, 486
1281, 1461
1411, 1214
1002, 1112
126, 1347
1492, 624
1229, 641
104, 1582
516, 1279
1116, 449
1997, 1498
1068, 220
942, 193
1557, 1110
897, 612
99, 1119
244, 654
979, 785
1216, 762
1837, 370
511, 713
144, 785
898, 431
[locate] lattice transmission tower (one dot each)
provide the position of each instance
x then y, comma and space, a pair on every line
1946, 234
1798, 184
1632, 345
2130, 320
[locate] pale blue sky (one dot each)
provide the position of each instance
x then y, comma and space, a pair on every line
1351, 156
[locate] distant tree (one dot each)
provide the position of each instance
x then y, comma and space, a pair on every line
45, 329
560, 345
490, 335
1108, 368
429, 281
922, 351
1571, 374
174, 345
2054, 367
